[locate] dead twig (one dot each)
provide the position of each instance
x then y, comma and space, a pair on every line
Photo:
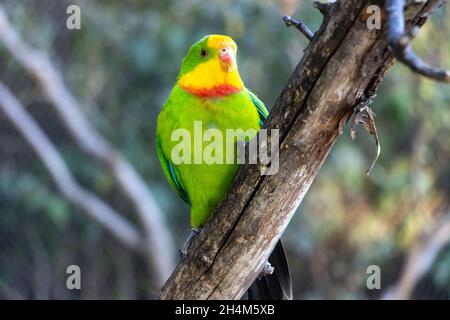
300, 26
400, 43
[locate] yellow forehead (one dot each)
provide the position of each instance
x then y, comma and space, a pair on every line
219, 41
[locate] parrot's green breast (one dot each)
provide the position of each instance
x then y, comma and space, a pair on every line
204, 185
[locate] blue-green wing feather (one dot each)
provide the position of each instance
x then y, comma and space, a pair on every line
171, 172
262, 110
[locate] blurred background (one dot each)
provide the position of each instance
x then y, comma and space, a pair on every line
120, 68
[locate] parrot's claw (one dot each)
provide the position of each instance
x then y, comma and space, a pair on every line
184, 249
267, 270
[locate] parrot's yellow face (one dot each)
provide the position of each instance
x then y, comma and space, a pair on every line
210, 68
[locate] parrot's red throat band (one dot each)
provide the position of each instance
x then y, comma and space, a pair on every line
214, 92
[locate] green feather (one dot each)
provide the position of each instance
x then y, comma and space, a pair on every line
203, 185
262, 110
193, 58
170, 172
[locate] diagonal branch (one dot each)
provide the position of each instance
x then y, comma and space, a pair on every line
400, 42
343, 65
38, 65
420, 259
94, 207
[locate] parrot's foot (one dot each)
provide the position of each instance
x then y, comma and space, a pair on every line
187, 243
267, 270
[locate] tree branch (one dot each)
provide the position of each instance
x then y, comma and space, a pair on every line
341, 68
300, 26
39, 66
400, 42
94, 207
420, 259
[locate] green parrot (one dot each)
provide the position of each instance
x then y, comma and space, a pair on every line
208, 100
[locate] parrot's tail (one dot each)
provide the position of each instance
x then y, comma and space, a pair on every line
275, 286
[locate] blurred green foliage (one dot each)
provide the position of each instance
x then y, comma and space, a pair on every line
122, 66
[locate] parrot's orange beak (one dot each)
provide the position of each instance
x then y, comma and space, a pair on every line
227, 57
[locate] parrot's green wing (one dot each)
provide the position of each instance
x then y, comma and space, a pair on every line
262, 111
171, 172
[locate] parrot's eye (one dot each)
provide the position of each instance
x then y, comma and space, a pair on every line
204, 53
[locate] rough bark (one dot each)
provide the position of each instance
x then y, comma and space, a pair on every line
340, 71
